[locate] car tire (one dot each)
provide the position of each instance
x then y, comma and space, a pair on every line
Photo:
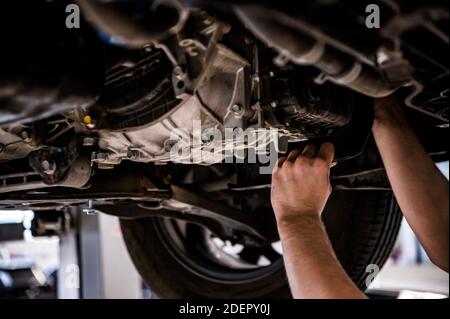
362, 226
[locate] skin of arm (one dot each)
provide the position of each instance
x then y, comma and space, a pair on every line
300, 190
419, 187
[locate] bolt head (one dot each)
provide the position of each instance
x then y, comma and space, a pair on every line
26, 136
236, 109
88, 141
48, 167
100, 156
89, 211
178, 71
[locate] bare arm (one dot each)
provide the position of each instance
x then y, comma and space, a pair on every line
419, 187
300, 189
312, 268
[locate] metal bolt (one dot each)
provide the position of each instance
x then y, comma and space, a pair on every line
101, 157
178, 72
132, 153
274, 104
48, 167
25, 135
45, 164
90, 210
89, 141
237, 109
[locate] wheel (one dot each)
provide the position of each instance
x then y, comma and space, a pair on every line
180, 260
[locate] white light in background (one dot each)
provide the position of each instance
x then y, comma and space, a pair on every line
443, 167
409, 294
15, 216
24, 217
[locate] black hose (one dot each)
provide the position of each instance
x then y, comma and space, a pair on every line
158, 22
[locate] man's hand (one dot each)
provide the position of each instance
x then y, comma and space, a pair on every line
300, 190
301, 183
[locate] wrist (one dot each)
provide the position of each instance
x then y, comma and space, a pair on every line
300, 220
388, 112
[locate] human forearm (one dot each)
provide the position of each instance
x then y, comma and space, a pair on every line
313, 270
300, 189
420, 189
